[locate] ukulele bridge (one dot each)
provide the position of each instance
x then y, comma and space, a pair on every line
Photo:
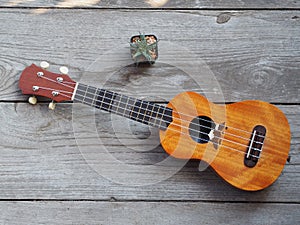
255, 146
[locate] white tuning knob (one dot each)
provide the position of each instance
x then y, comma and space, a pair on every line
52, 105
45, 65
32, 100
64, 70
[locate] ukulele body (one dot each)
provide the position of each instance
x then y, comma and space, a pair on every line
246, 143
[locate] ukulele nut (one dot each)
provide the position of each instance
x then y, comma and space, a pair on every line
55, 93
40, 74
35, 88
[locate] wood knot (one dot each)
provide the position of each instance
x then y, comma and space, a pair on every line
223, 18
259, 78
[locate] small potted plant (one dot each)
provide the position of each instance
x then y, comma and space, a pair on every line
144, 48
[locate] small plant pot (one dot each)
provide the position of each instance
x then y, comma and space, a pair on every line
143, 48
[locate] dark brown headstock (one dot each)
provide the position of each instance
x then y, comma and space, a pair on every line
37, 81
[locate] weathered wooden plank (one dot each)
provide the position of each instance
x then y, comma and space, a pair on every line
41, 159
245, 59
146, 213
195, 4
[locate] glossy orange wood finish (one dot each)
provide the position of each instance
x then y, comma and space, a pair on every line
228, 160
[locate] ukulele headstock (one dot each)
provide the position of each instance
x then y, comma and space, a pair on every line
37, 81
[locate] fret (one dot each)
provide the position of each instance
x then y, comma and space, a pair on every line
151, 114
137, 111
85, 94
106, 99
100, 96
143, 111
81, 90
167, 117
122, 105
125, 105
121, 109
116, 104
156, 117
140, 110
134, 109
129, 106
94, 101
148, 110
161, 113
86, 89
89, 95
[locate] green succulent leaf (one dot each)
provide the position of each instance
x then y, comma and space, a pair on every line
141, 47
137, 54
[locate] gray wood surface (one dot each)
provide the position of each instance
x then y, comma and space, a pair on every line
180, 213
45, 155
195, 4
55, 166
243, 55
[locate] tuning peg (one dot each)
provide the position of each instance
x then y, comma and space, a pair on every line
64, 70
32, 100
45, 65
52, 105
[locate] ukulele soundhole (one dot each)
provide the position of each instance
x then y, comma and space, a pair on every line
200, 128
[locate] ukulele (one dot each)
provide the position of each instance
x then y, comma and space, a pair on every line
247, 146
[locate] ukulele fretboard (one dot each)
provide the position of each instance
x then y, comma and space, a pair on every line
139, 110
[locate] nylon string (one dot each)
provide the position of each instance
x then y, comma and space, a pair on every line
197, 131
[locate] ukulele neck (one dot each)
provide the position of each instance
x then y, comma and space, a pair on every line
141, 111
